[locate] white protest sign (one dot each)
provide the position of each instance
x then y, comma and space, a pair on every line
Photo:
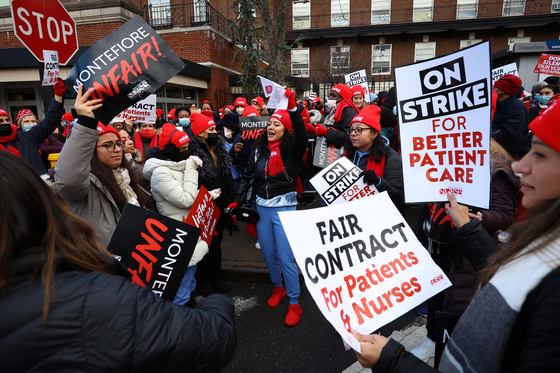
444, 120
267, 86
341, 182
51, 72
276, 98
143, 111
498, 72
358, 78
363, 269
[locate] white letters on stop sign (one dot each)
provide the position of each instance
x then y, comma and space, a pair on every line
54, 30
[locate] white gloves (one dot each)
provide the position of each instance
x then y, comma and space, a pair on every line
215, 193
193, 162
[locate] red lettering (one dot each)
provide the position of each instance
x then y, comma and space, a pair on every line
150, 223
405, 286
144, 53
148, 267
127, 69
418, 143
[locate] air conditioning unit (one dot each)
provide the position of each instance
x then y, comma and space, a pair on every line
556, 7
296, 72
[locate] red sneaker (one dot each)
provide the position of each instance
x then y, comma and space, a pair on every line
294, 314
277, 295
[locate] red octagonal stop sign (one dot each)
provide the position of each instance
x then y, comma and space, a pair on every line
45, 25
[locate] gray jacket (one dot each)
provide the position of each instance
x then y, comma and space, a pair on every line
82, 191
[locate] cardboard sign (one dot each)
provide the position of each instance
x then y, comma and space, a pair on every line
445, 323
124, 67
363, 269
324, 153
51, 72
143, 111
155, 248
358, 78
498, 72
341, 182
267, 86
251, 129
444, 120
548, 64
204, 214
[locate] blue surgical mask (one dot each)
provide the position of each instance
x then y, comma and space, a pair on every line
544, 100
184, 122
394, 110
537, 96
27, 127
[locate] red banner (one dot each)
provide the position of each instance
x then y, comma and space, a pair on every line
204, 215
548, 64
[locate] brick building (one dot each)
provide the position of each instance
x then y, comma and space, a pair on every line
200, 32
341, 36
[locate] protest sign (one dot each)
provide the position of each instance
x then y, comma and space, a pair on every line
548, 64
251, 129
124, 67
325, 154
276, 98
143, 111
358, 78
341, 182
361, 262
156, 249
204, 214
267, 86
445, 323
51, 72
444, 120
498, 72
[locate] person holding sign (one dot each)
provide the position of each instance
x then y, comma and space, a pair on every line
92, 175
68, 305
274, 166
512, 323
380, 164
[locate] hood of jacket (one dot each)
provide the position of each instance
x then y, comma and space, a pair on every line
153, 163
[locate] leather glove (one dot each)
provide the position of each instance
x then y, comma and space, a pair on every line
370, 177
310, 128
291, 99
320, 130
59, 88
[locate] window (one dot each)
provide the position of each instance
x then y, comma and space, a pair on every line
340, 60
423, 11
380, 11
300, 61
160, 13
424, 51
201, 12
514, 8
468, 43
466, 9
381, 59
301, 15
340, 13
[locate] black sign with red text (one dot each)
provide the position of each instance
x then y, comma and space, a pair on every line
251, 129
325, 154
124, 67
155, 248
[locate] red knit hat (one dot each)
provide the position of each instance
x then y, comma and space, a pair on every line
369, 116
4, 113
546, 126
230, 107
68, 117
159, 112
509, 83
358, 90
250, 111
171, 114
343, 90
259, 101
103, 129
23, 113
318, 99
284, 117
240, 101
200, 122
169, 131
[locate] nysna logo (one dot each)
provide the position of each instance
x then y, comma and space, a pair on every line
184, 138
211, 122
455, 191
268, 89
436, 279
279, 116
358, 119
240, 103
337, 90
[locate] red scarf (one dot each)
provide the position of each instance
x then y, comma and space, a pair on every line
138, 143
341, 106
10, 138
275, 164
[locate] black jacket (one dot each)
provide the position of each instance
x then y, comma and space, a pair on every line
510, 126
337, 134
103, 323
272, 186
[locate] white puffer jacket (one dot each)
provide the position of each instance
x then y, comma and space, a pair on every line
174, 186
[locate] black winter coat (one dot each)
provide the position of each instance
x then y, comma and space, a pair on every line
337, 134
510, 126
103, 323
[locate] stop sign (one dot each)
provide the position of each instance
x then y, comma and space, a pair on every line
45, 25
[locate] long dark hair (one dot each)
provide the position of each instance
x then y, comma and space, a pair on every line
377, 151
105, 175
31, 217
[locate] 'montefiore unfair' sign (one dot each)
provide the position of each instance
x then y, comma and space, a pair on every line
362, 263
251, 128
444, 119
124, 67
325, 153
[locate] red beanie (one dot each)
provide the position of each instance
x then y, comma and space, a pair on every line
370, 117
159, 113
4, 113
68, 116
284, 117
200, 122
240, 101
508, 83
103, 129
343, 90
230, 107
259, 101
22, 113
546, 127
250, 111
358, 90
179, 138
171, 114
318, 99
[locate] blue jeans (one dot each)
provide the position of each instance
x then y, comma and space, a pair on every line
188, 283
276, 250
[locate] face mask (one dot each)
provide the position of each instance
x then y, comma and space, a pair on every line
212, 139
394, 110
148, 134
331, 103
27, 127
5, 130
544, 100
228, 133
537, 96
185, 154
240, 110
64, 124
184, 121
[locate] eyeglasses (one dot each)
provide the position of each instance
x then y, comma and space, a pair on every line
110, 146
358, 130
